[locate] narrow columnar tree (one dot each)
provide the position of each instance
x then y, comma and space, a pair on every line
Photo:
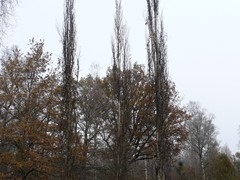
121, 65
157, 63
70, 140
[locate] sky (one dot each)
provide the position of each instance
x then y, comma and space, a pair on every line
203, 42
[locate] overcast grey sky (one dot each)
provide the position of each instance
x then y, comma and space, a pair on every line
203, 46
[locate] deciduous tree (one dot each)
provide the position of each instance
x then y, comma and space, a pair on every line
222, 168
92, 109
158, 73
140, 140
71, 143
202, 135
121, 77
28, 114
6, 10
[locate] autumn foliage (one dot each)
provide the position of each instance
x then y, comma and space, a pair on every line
55, 126
29, 113
31, 119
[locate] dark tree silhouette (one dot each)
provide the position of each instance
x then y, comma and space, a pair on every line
69, 125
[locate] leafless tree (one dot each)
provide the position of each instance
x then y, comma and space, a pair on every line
6, 10
121, 63
202, 135
225, 150
69, 125
92, 103
157, 62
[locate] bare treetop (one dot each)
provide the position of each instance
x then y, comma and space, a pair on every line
6, 11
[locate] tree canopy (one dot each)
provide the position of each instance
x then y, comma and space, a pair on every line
128, 124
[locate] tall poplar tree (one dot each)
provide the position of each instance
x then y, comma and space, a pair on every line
70, 140
120, 69
158, 72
